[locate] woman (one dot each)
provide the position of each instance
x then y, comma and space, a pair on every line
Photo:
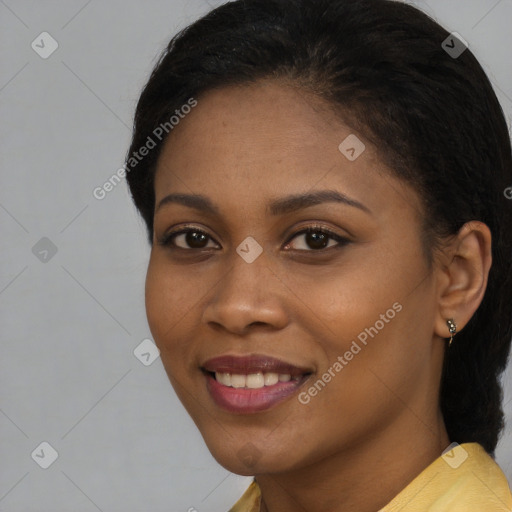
330, 276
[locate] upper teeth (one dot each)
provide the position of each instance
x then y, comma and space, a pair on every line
253, 380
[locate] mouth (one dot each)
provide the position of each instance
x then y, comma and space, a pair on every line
252, 384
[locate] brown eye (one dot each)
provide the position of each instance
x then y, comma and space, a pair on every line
196, 239
188, 239
316, 239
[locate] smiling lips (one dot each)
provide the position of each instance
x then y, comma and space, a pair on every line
251, 383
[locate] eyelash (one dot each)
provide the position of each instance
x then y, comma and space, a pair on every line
342, 241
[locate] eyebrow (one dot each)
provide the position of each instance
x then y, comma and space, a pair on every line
279, 206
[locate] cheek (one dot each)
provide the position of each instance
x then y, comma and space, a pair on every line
384, 350
366, 312
169, 306
159, 302
343, 300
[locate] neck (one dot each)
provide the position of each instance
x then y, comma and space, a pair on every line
363, 477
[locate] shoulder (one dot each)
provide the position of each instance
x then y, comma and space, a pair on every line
463, 479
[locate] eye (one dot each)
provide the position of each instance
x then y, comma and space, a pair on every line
187, 239
314, 238
317, 238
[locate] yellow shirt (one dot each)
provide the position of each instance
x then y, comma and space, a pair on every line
464, 479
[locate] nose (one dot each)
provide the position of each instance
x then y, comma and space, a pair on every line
249, 295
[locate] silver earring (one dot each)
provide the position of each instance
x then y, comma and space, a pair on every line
452, 327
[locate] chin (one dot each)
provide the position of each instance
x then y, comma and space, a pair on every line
247, 460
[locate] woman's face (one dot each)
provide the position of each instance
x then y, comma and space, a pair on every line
352, 311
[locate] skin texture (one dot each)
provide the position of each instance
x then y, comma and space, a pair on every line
377, 424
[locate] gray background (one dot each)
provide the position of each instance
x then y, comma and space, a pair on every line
70, 323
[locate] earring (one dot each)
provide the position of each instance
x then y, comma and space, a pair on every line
452, 327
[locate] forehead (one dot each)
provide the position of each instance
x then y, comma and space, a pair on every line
246, 142
257, 123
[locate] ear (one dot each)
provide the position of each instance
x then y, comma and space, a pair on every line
463, 270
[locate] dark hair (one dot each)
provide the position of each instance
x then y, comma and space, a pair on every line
434, 118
